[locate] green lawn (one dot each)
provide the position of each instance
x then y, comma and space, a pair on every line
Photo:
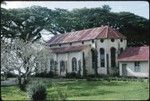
88, 90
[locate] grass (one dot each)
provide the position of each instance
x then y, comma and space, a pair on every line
12, 93
88, 90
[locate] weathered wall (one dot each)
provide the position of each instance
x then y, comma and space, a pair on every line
107, 44
144, 69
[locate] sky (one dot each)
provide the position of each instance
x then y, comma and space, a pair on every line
140, 8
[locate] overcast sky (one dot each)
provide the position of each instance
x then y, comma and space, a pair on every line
140, 8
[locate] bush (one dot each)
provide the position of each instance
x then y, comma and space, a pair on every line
98, 76
50, 74
37, 91
91, 76
42, 74
91, 79
73, 75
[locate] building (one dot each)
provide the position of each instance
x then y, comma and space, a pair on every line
134, 61
72, 52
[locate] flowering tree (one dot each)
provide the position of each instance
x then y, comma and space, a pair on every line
23, 59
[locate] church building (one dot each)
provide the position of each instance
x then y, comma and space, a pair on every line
72, 52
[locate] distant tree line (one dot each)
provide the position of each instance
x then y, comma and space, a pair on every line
26, 23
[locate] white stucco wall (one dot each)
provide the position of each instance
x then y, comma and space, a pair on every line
88, 42
88, 61
107, 44
68, 58
144, 69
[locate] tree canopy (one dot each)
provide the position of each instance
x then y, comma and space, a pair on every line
26, 23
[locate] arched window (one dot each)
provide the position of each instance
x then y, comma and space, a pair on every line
101, 40
74, 64
121, 50
121, 40
102, 57
62, 66
79, 64
52, 64
92, 41
60, 45
82, 42
112, 40
113, 57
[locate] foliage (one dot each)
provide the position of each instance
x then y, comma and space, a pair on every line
73, 75
22, 58
37, 92
50, 74
22, 22
106, 8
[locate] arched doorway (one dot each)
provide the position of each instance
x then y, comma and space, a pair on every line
102, 57
52, 64
113, 57
74, 64
62, 66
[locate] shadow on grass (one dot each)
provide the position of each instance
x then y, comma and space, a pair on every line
102, 92
80, 88
90, 84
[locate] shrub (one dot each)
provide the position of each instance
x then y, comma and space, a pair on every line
50, 74
78, 75
99, 76
42, 74
92, 79
37, 91
91, 76
71, 75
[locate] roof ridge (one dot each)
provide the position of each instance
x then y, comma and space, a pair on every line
107, 27
115, 32
101, 31
85, 34
79, 30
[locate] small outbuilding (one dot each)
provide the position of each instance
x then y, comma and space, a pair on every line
134, 61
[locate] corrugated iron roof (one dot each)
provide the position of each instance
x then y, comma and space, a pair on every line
135, 54
69, 49
87, 34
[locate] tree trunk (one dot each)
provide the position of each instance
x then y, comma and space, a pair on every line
19, 82
22, 84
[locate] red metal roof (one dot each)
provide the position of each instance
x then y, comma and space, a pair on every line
87, 34
69, 49
135, 54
